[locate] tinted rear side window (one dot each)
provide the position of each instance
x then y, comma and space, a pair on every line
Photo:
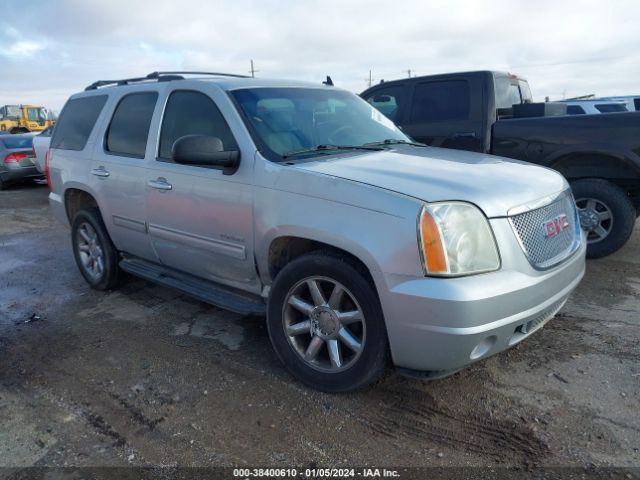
129, 128
575, 110
611, 107
76, 122
192, 113
388, 100
441, 101
17, 141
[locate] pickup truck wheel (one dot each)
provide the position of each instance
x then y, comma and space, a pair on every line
606, 214
95, 254
326, 324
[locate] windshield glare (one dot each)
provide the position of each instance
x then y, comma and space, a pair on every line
286, 120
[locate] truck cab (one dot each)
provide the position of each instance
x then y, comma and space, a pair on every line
493, 112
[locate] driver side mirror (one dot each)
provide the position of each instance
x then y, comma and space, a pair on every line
205, 151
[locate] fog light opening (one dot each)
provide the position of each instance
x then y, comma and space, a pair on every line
483, 347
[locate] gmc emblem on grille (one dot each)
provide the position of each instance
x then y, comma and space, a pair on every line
554, 226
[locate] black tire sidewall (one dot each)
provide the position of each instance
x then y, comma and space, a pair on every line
374, 357
622, 211
110, 275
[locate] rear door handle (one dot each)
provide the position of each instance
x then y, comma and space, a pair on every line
100, 172
160, 184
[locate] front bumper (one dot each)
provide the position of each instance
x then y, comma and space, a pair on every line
440, 325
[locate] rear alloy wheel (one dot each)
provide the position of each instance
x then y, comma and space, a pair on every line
606, 214
326, 324
93, 250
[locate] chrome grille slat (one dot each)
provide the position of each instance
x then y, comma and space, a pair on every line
542, 251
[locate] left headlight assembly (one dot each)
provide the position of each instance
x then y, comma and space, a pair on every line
456, 240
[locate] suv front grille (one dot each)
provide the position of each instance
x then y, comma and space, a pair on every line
542, 249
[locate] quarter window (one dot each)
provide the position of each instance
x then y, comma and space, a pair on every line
192, 113
76, 122
129, 128
441, 101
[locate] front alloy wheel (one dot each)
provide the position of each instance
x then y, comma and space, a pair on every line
324, 324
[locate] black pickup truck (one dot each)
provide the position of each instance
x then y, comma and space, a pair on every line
492, 112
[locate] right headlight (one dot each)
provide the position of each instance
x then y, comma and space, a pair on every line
456, 239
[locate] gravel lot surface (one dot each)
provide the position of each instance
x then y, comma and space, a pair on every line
145, 375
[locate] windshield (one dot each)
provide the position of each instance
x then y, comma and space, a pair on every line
285, 120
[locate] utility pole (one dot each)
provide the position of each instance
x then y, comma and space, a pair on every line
369, 80
409, 72
253, 71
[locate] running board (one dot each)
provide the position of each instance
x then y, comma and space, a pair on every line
209, 292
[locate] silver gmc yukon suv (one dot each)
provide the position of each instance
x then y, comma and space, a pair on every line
303, 203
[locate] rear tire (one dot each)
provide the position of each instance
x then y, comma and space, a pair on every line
93, 250
3, 185
333, 337
606, 214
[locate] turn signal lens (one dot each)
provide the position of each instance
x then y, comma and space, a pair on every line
456, 239
432, 248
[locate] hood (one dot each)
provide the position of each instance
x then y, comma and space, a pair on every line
494, 184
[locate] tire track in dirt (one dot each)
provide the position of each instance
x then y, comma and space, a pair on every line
404, 412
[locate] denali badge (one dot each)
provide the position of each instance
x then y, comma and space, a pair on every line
555, 226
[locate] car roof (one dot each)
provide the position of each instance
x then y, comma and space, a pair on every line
224, 82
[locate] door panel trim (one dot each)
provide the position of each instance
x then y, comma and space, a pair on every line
130, 223
197, 241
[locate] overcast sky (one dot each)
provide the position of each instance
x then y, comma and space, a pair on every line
51, 49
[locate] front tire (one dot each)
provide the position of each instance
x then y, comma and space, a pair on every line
94, 252
606, 214
326, 324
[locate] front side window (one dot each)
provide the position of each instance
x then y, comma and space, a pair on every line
192, 113
285, 120
129, 129
76, 122
441, 101
388, 100
38, 115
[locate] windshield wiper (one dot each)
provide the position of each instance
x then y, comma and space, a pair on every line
391, 141
327, 148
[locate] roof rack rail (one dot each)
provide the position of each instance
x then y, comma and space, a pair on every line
157, 76
213, 74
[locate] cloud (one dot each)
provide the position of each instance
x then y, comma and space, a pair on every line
569, 48
23, 48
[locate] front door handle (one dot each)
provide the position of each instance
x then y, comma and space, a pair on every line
160, 184
100, 172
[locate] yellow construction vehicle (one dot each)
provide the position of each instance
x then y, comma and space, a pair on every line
24, 118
